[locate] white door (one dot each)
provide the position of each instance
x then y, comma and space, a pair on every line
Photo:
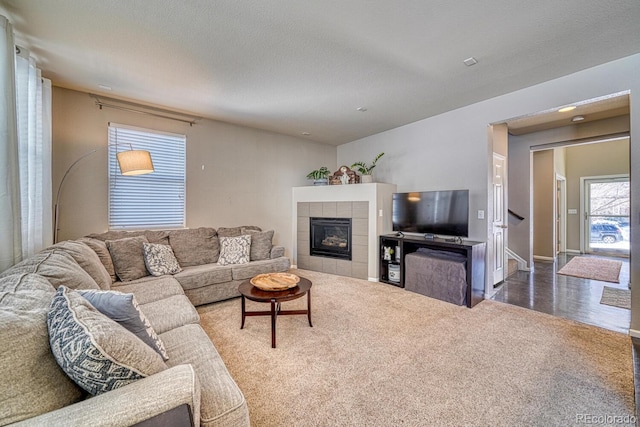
498, 220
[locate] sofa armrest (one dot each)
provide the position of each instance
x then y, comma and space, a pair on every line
277, 252
132, 403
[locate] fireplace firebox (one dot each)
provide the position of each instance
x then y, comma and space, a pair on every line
330, 237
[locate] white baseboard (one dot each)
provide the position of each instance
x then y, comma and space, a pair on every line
543, 258
373, 279
634, 333
572, 251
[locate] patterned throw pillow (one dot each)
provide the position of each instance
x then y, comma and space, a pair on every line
234, 250
123, 308
93, 350
160, 259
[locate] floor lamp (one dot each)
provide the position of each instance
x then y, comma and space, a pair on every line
131, 162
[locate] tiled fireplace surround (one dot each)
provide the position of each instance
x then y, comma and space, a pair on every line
368, 206
359, 214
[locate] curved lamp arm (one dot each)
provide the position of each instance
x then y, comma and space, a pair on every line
131, 162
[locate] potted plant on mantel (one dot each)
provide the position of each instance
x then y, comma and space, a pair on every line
365, 169
319, 176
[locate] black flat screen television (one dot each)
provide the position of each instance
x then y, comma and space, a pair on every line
432, 212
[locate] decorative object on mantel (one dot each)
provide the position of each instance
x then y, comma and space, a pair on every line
344, 176
365, 169
319, 176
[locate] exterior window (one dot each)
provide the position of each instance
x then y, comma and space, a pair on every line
155, 200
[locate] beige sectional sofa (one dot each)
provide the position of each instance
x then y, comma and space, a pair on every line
188, 385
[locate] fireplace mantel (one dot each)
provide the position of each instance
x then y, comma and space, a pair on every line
330, 201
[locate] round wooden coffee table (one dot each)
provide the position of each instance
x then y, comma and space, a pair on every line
248, 291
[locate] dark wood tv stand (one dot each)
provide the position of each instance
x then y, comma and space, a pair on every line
473, 251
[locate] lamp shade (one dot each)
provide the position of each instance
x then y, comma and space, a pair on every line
135, 162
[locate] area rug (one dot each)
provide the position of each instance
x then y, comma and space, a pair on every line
616, 297
379, 355
605, 270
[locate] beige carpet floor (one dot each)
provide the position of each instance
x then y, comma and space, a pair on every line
378, 355
602, 269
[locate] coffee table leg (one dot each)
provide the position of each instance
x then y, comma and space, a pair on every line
243, 312
309, 307
273, 323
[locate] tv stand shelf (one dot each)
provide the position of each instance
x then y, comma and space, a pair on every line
473, 251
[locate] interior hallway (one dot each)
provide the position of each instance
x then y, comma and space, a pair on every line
565, 296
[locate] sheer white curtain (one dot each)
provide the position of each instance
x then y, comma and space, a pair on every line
34, 153
10, 224
25, 154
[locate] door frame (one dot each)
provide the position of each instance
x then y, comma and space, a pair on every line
561, 213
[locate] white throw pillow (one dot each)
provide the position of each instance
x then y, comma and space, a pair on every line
234, 250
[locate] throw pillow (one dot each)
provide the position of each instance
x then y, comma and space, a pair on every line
123, 308
100, 248
128, 258
260, 244
234, 250
160, 259
93, 350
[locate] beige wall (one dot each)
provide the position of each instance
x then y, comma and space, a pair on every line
543, 204
247, 178
599, 159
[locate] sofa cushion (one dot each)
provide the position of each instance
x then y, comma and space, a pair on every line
58, 267
128, 258
123, 308
260, 244
234, 250
32, 381
150, 288
96, 352
195, 246
235, 231
88, 259
247, 271
153, 236
222, 401
160, 259
100, 248
203, 275
170, 313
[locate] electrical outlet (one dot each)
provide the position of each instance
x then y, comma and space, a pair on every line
480, 214
380, 213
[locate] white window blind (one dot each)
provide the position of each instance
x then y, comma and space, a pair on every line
155, 200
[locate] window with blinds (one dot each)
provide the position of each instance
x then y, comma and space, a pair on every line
155, 200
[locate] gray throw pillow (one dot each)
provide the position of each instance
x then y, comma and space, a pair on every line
260, 244
160, 259
128, 257
93, 350
234, 250
100, 248
123, 309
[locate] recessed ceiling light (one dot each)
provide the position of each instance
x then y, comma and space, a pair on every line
565, 109
104, 87
362, 109
470, 61
577, 118
306, 133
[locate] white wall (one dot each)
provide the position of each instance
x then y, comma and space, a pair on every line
450, 150
247, 178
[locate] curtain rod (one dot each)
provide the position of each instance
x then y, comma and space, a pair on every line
141, 109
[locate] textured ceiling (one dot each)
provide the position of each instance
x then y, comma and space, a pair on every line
295, 66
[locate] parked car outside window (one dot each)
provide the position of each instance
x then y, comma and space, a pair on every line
606, 232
